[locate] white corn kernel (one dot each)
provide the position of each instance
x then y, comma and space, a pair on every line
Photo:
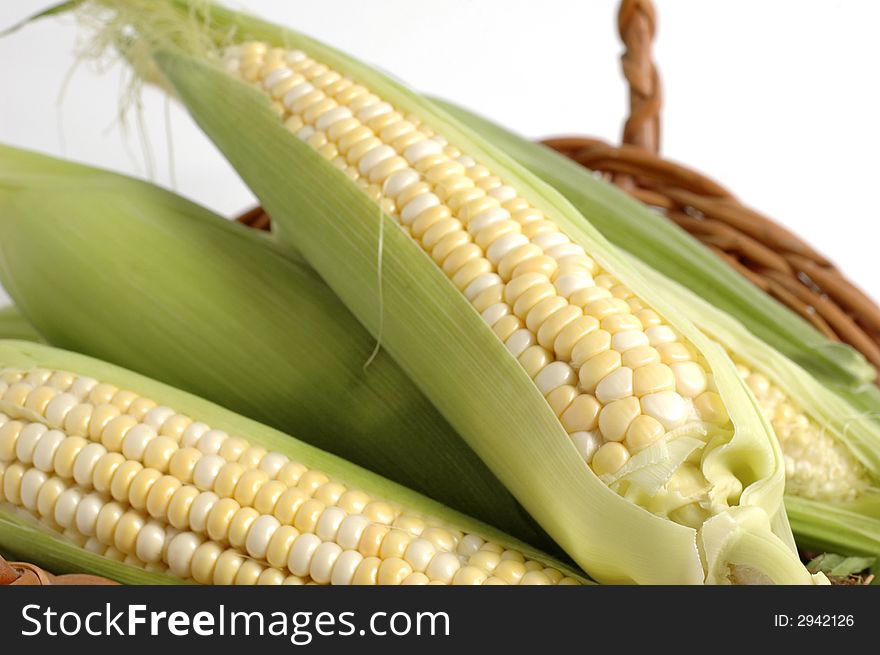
587, 443
668, 407
399, 182
27, 442
417, 205
260, 534
31, 483
418, 151
136, 440
555, 375
615, 386
211, 441
157, 416
495, 313
301, 554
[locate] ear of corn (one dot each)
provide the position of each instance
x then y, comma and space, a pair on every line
166, 482
173, 291
704, 501
669, 249
14, 326
830, 440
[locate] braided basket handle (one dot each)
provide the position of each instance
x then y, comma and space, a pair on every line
636, 23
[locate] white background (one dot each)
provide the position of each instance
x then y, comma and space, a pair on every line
778, 100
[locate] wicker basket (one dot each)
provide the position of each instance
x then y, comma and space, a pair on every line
770, 256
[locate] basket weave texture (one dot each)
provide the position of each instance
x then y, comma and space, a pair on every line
769, 255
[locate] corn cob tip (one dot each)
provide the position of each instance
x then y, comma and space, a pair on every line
741, 548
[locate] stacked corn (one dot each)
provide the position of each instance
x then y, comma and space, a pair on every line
817, 445
500, 302
572, 372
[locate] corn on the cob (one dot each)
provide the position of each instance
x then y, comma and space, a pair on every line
712, 488
189, 489
617, 375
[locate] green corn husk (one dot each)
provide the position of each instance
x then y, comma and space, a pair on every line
850, 528
437, 337
52, 551
15, 326
234, 319
667, 248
